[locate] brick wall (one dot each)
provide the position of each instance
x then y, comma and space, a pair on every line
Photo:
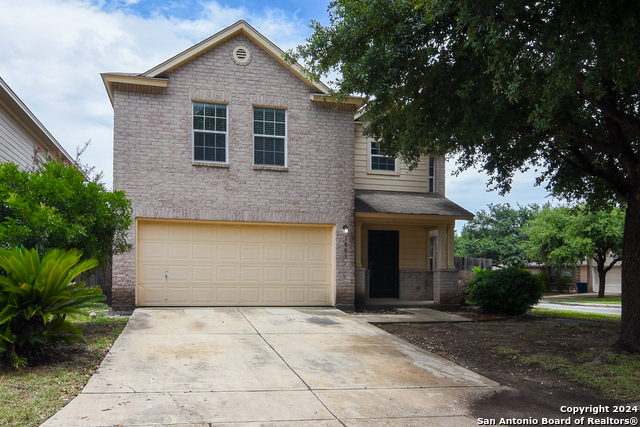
153, 152
446, 286
415, 286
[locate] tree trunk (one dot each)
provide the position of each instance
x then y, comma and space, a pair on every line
602, 274
629, 339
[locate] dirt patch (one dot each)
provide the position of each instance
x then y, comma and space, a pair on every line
499, 349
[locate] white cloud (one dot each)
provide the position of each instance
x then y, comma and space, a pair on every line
53, 52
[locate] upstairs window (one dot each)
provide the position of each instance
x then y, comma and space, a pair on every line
210, 133
269, 136
380, 162
432, 174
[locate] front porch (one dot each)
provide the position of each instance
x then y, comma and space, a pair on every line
404, 249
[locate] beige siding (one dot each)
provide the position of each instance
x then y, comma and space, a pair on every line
413, 244
416, 180
16, 142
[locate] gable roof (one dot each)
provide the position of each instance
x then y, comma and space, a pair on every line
20, 111
153, 77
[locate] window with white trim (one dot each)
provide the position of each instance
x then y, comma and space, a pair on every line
210, 138
269, 136
432, 174
380, 162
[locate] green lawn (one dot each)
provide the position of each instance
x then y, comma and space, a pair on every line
547, 312
30, 395
612, 300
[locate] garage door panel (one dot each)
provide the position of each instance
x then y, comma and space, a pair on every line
203, 295
295, 274
250, 253
203, 273
318, 236
273, 274
318, 254
250, 296
296, 253
227, 252
227, 296
151, 272
176, 251
318, 275
318, 295
152, 251
273, 253
179, 295
228, 234
274, 234
274, 295
296, 295
250, 274
203, 252
152, 295
233, 264
227, 274
295, 235
178, 273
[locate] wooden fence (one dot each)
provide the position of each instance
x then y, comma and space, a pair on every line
467, 264
101, 276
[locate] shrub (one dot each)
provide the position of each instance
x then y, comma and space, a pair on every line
55, 207
36, 296
509, 291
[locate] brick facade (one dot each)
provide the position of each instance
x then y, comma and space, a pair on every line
153, 156
415, 285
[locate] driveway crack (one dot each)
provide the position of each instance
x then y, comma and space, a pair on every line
292, 370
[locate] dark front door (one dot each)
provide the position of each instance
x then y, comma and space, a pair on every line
383, 263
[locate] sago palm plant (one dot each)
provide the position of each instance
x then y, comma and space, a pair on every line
37, 295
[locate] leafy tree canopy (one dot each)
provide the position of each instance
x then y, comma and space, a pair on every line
565, 236
551, 83
54, 207
497, 234
509, 85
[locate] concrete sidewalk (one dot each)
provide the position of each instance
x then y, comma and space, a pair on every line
269, 367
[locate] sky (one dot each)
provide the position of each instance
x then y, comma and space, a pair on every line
53, 51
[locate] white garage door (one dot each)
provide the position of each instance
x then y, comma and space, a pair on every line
185, 263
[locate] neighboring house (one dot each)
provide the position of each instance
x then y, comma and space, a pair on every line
22, 137
588, 272
251, 186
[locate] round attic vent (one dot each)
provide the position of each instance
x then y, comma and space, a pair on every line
241, 55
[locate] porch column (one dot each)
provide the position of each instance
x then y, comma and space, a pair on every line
450, 243
443, 242
361, 273
358, 244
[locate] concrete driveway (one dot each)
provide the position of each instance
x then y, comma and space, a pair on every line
269, 367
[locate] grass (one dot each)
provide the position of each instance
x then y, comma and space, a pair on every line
611, 300
616, 376
30, 395
547, 312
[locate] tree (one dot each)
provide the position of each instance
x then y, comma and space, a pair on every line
54, 207
563, 236
509, 85
498, 234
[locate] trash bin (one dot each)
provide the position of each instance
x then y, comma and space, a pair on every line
582, 287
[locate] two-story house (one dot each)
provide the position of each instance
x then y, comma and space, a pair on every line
250, 186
